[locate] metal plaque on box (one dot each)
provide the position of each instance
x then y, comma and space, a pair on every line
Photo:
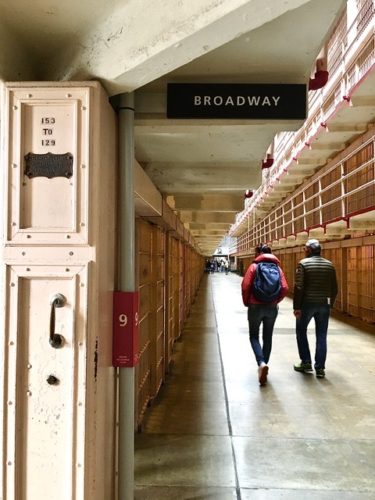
49, 165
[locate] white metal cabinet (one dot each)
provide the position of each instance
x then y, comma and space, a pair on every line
59, 237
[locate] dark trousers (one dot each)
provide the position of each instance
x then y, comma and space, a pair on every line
262, 314
320, 313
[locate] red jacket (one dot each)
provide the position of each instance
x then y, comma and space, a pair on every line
247, 282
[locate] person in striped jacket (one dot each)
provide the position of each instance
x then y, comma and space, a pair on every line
315, 291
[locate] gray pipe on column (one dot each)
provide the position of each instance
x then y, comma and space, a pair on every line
127, 283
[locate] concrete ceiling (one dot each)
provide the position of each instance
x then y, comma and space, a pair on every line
202, 167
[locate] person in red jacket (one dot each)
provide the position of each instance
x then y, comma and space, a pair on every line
259, 312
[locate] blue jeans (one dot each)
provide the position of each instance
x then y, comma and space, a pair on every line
320, 313
258, 314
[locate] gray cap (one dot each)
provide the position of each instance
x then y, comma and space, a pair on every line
313, 244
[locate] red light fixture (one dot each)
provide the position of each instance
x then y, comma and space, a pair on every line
321, 78
268, 162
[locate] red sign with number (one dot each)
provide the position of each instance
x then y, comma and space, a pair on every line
125, 329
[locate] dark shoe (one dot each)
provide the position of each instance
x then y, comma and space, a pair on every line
263, 372
320, 373
303, 367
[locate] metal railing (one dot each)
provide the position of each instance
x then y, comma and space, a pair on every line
326, 197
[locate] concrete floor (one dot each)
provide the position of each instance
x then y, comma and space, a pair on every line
214, 433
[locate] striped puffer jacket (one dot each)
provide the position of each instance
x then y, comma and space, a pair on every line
315, 283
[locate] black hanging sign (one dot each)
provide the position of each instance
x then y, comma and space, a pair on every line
254, 101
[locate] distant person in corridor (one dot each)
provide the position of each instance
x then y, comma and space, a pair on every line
315, 291
262, 311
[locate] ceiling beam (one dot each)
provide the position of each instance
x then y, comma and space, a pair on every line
224, 226
126, 56
178, 178
208, 231
206, 217
219, 202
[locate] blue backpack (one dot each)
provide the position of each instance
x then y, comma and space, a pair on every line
267, 282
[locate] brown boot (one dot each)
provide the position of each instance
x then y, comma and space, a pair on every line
262, 374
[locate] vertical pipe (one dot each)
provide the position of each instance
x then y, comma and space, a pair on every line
126, 284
